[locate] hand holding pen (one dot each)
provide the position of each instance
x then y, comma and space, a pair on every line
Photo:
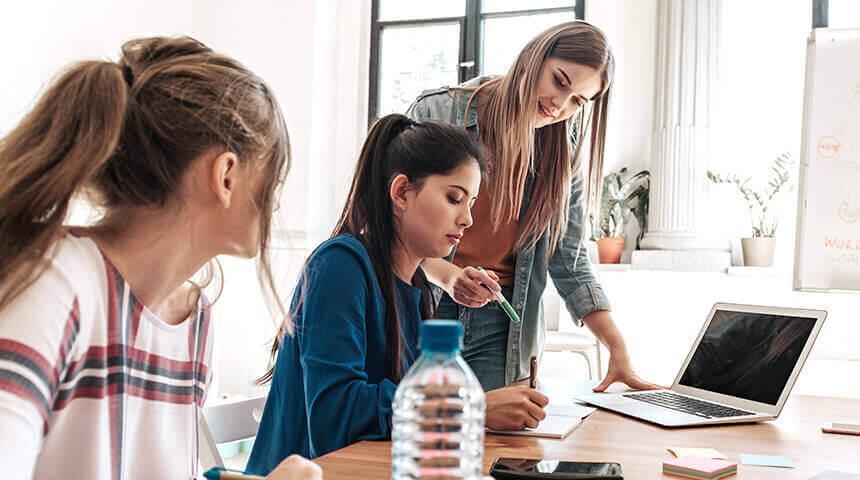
470, 286
506, 306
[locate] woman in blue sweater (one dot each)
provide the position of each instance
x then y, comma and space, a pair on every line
361, 298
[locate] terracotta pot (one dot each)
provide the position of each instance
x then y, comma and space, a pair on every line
758, 251
609, 249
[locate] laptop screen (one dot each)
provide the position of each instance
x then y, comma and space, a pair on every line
748, 355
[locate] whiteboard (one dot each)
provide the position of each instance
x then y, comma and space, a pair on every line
827, 248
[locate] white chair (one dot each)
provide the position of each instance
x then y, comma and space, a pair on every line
229, 422
571, 341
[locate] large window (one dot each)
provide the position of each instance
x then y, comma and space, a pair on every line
418, 45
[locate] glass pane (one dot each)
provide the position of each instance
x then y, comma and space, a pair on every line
412, 59
505, 37
489, 6
843, 14
409, 10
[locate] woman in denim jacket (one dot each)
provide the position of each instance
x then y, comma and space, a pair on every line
529, 219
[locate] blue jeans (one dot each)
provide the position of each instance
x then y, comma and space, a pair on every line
485, 337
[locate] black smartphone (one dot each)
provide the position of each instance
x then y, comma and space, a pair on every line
525, 468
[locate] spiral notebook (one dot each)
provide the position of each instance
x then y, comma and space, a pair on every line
559, 422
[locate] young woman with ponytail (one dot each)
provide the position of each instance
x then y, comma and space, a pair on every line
529, 220
362, 296
105, 342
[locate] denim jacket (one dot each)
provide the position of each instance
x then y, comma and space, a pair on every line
573, 277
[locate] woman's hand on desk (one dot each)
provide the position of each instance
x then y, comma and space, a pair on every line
296, 467
620, 370
600, 322
515, 407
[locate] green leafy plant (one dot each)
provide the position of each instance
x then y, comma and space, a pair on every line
617, 201
758, 201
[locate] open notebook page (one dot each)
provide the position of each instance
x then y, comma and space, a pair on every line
559, 422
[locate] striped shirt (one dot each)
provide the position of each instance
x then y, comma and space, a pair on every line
92, 384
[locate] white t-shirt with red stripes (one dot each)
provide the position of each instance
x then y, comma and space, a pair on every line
92, 384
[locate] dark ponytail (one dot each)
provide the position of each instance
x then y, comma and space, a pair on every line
55, 150
396, 145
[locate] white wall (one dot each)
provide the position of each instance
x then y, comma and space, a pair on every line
275, 39
339, 113
631, 28
38, 38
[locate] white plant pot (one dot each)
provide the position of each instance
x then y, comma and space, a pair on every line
758, 251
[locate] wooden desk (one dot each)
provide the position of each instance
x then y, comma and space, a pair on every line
641, 447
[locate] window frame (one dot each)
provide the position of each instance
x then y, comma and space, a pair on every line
471, 38
820, 17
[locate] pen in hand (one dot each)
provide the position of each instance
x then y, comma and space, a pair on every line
506, 306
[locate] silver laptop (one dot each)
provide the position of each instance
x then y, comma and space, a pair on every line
741, 369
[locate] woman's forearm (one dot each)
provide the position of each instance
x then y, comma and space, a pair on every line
603, 327
620, 368
439, 271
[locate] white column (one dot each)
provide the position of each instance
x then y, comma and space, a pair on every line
686, 83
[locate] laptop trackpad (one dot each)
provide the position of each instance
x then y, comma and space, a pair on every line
605, 399
646, 411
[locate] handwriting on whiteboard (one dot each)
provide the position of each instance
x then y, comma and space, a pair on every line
842, 250
828, 146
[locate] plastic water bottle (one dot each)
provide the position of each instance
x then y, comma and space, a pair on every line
438, 411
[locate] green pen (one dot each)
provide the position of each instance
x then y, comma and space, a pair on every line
512, 314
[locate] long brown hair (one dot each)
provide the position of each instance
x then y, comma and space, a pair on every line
516, 149
394, 145
125, 133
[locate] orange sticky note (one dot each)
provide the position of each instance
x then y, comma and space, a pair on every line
681, 452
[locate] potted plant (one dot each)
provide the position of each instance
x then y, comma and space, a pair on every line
758, 249
617, 201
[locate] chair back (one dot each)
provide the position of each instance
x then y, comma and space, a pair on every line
228, 422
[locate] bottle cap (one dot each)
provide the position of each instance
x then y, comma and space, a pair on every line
442, 336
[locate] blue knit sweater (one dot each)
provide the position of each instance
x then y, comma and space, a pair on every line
329, 388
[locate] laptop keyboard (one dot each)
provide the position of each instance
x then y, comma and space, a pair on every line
689, 405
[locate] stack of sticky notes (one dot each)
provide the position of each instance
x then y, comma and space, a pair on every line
696, 452
697, 467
